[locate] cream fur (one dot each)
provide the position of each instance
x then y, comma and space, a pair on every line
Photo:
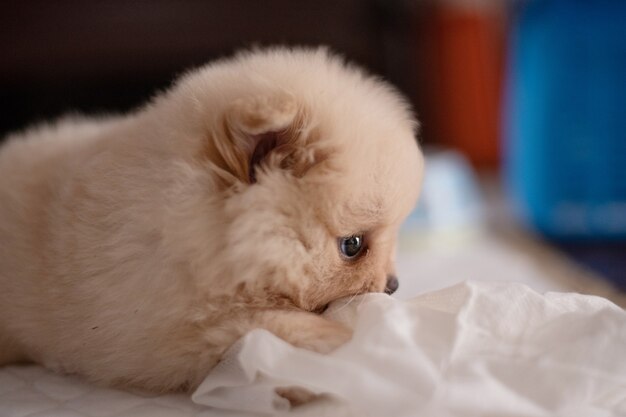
135, 249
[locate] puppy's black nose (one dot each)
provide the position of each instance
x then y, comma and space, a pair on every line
392, 284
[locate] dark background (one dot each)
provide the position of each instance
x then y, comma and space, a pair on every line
101, 56
109, 56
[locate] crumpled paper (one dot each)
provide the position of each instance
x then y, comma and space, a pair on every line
474, 349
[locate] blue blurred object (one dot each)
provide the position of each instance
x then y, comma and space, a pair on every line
565, 121
450, 208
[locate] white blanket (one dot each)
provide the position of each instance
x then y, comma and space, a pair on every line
475, 349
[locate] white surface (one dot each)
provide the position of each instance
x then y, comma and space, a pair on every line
475, 256
476, 349
31, 391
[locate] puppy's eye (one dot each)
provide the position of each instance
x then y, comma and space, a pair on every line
351, 246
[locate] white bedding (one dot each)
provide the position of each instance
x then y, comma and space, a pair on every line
475, 349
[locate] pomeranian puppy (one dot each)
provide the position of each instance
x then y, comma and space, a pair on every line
135, 249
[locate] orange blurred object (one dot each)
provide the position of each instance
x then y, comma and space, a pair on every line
461, 60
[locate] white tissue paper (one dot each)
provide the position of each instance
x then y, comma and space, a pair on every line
475, 349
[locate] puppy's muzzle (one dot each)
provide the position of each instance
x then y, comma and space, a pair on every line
392, 284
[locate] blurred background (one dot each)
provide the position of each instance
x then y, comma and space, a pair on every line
522, 107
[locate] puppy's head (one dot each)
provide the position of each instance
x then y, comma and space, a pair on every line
315, 165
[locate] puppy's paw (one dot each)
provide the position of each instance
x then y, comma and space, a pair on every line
326, 338
296, 395
305, 330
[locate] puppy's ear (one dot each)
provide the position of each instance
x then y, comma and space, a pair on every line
264, 133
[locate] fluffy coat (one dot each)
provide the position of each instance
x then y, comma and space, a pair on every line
135, 249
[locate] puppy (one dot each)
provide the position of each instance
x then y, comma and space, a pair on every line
134, 250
